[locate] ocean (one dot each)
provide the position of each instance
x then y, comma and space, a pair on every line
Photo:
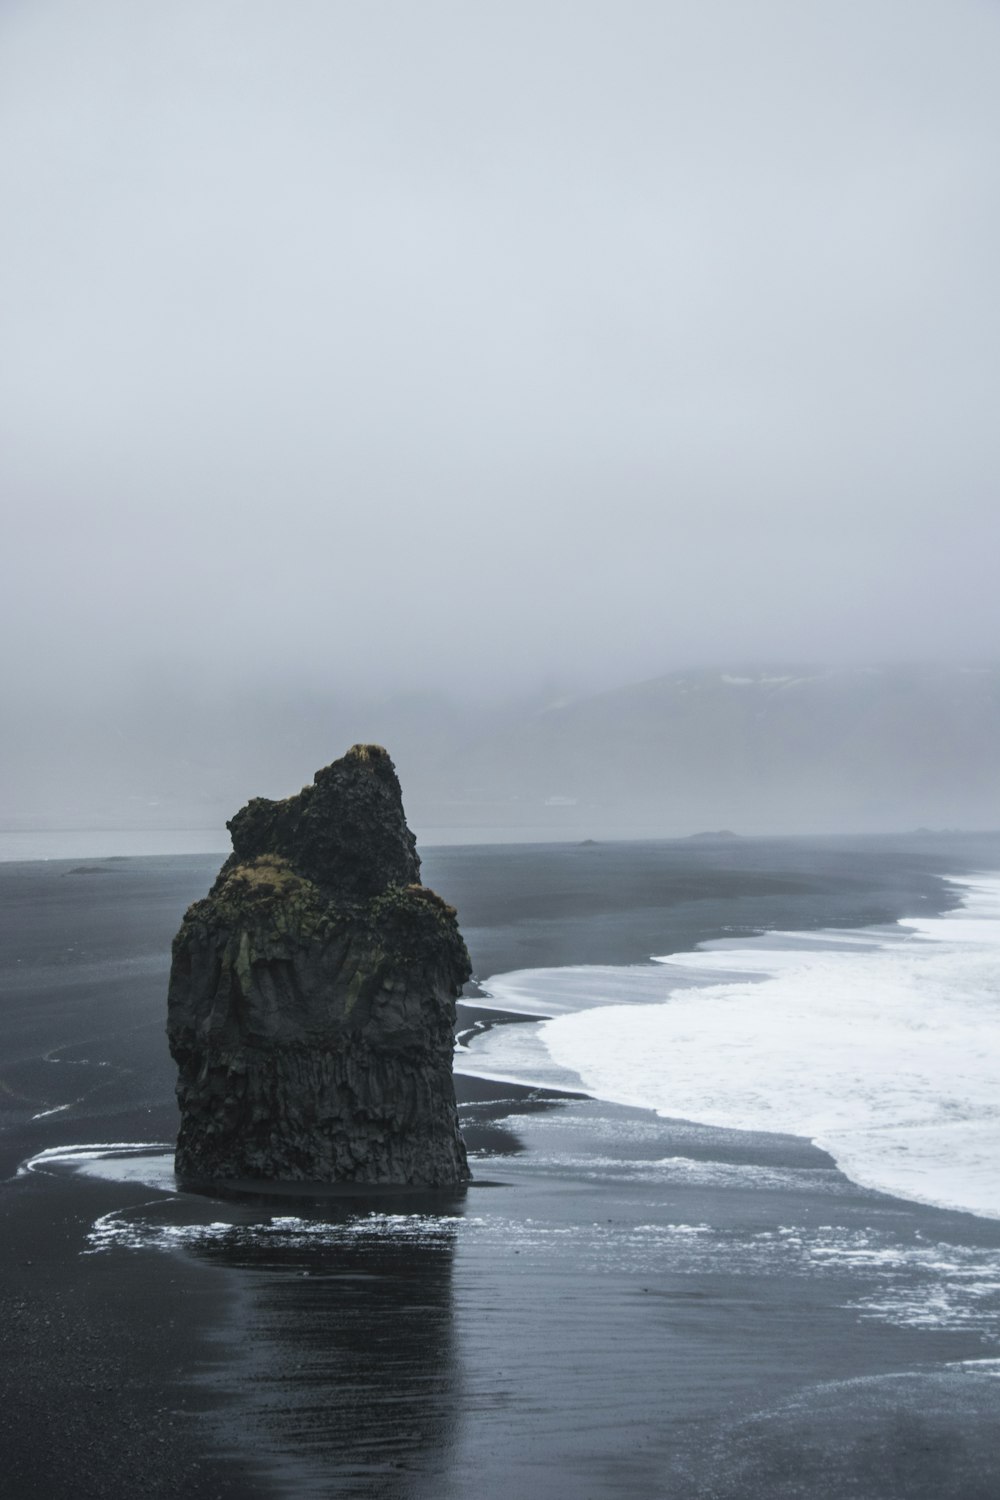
24, 846
734, 1232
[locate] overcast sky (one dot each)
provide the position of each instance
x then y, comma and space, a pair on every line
417, 341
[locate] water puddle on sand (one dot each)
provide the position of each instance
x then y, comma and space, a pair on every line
146, 1163
900, 1279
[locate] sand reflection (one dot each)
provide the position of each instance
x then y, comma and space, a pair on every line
345, 1370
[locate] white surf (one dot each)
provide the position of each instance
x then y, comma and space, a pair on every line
880, 1045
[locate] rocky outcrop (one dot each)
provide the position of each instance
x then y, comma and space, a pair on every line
312, 996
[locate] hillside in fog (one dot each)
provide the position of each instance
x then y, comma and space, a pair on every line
779, 749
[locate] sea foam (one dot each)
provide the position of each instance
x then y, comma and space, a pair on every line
880, 1045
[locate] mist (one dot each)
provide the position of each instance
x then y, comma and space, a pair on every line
493, 352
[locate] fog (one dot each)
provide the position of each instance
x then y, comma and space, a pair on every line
452, 344
492, 350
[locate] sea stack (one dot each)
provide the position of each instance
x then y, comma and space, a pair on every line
311, 1009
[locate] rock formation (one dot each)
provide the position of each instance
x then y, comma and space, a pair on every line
312, 993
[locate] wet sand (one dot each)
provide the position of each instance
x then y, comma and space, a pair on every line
586, 1320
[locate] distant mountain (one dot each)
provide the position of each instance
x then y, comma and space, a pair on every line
775, 749
749, 750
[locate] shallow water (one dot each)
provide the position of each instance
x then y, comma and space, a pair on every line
902, 1276
626, 1312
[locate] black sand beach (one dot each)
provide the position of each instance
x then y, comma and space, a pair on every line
581, 1322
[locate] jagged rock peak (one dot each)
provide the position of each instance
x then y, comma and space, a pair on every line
345, 832
311, 1009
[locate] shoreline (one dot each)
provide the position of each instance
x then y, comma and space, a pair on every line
581, 1326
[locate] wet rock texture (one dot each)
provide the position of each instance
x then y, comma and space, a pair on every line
311, 1007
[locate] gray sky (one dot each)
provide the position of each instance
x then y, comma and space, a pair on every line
449, 343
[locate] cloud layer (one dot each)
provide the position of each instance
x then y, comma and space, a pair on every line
465, 344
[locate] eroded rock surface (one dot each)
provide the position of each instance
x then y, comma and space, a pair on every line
312, 994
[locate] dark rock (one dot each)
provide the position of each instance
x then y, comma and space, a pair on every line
312, 994
346, 832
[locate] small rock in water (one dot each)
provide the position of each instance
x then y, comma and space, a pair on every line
311, 1007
